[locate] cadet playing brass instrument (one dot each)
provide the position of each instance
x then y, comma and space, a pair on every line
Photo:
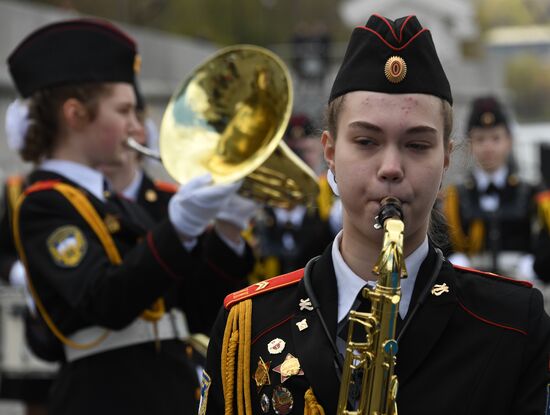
376, 355
228, 119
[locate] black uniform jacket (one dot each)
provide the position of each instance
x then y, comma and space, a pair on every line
480, 348
154, 195
135, 379
512, 221
310, 239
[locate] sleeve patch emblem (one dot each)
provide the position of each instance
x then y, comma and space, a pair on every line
67, 246
205, 386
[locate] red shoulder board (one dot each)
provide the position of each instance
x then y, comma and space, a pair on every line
495, 276
263, 287
43, 185
166, 186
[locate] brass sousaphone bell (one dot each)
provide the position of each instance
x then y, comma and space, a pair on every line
228, 119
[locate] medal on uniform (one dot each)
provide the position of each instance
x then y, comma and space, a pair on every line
302, 325
264, 403
261, 376
282, 400
276, 346
290, 367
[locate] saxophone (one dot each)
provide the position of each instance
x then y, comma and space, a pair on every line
369, 365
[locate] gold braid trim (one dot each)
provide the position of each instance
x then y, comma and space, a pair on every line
543, 207
236, 346
14, 188
477, 236
311, 406
460, 241
87, 211
90, 215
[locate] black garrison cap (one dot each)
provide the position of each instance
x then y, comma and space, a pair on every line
72, 52
487, 112
395, 57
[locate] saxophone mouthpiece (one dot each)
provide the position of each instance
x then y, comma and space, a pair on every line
390, 207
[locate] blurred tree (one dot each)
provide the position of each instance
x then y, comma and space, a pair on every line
528, 79
494, 13
224, 22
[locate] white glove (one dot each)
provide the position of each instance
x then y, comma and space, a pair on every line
238, 210
18, 278
197, 203
18, 274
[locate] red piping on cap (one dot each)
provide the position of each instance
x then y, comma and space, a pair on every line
391, 27
397, 49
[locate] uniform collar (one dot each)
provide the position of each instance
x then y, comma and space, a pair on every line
84, 176
131, 192
483, 179
349, 284
294, 216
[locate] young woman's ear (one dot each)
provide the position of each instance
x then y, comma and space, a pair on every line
328, 143
74, 114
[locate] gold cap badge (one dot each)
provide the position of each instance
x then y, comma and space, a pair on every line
487, 119
395, 69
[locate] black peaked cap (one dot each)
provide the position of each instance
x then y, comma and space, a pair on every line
72, 52
487, 112
395, 57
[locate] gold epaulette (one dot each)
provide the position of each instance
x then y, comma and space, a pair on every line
494, 276
166, 187
263, 287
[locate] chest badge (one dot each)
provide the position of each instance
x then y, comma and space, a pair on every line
305, 304
302, 325
439, 289
67, 246
261, 376
112, 223
282, 400
151, 195
276, 346
290, 367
